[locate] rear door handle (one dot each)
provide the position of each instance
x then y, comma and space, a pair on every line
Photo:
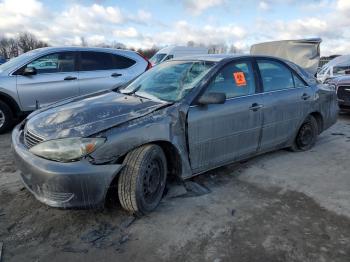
116, 75
70, 78
305, 96
255, 107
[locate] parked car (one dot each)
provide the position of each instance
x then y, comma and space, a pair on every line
171, 52
43, 76
181, 118
342, 87
338, 66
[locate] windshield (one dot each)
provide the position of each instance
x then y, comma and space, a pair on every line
169, 81
157, 58
18, 60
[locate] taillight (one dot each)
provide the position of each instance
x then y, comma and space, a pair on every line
149, 65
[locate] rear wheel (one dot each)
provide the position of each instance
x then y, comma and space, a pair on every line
307, 135
6, 117
142, 180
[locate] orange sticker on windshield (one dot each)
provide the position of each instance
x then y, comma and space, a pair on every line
239, 78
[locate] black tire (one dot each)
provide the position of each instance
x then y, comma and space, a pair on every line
307, 135
6, 117
142, 180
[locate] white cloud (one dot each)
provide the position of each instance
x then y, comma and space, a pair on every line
129, 32
19, 15
182, 32
264, 6
343, 5
198, 6
96, 23
144, 15
102, 23
26, 8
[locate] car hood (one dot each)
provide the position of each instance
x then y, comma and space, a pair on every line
303, 52
88, 115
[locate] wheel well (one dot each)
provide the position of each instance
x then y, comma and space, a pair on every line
174, 170
173, 158
319, 119
11, 103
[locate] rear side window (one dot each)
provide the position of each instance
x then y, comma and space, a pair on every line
275, 76
122, 62
91, 61
235, 79
54, 63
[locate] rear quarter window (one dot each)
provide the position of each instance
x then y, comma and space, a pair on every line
122, 62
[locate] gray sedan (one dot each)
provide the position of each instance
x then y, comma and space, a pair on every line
181, 118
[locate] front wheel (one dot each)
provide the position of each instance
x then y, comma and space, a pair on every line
6, 117
307, 135
142, 180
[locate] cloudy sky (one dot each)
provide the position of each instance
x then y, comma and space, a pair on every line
144, 23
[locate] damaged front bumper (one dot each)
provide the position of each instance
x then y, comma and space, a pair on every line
66, 185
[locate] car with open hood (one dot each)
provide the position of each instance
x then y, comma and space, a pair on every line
181, 118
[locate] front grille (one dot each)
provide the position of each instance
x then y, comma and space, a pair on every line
344, 93
31, 139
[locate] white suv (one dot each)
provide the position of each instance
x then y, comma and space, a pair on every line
46, 75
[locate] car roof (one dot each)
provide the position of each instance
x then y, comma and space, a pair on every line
207, 57
80, 48
220, 57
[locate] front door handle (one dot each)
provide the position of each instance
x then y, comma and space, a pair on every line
255, 107
70, 78
116, 75
305, 96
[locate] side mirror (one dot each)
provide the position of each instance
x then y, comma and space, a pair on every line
29, 71
212, 98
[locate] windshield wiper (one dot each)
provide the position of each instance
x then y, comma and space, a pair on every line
130, 92
148, 96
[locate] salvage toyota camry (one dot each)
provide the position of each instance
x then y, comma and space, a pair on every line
181, 118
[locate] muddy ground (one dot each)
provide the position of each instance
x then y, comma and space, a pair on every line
281, 206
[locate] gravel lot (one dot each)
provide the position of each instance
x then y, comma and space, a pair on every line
281, 206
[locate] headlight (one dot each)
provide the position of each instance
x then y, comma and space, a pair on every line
67, 149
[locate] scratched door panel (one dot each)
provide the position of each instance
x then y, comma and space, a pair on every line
219, 134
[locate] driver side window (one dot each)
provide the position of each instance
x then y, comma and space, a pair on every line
234, 80
54, 63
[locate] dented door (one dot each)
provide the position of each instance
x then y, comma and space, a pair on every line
222, 133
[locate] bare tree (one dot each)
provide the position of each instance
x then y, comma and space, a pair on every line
8, 48
149, 52
118, 45
12, 47
190, 43
4, 48
27, 41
